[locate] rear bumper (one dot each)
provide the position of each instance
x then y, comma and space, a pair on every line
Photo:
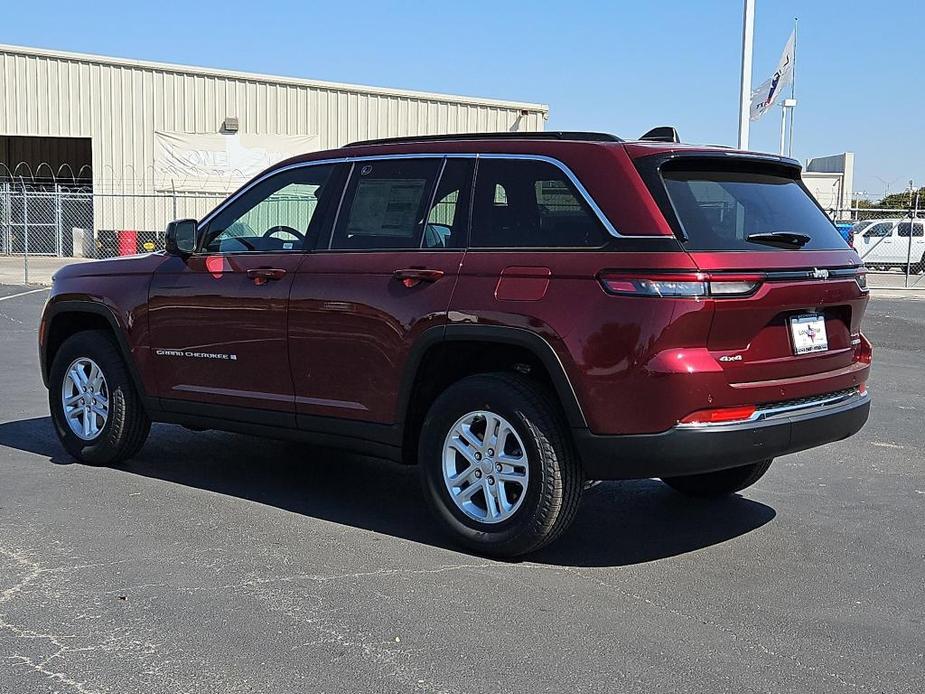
688, 450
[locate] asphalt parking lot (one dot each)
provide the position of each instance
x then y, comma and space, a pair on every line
221, 563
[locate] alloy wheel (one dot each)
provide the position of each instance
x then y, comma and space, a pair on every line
485, 467
85, 398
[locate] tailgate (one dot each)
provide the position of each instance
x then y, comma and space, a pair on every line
786, 321
753, 337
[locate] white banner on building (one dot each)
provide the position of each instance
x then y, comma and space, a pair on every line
763, 97
218, 162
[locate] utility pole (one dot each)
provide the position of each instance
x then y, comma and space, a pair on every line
745, 85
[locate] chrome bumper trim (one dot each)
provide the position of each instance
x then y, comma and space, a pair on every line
774, 410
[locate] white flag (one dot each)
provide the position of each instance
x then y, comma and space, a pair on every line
764, 97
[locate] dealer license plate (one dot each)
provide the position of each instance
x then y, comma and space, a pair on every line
808, 331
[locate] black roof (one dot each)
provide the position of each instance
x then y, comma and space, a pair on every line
541, 135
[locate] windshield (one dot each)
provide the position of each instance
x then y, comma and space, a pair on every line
720, 210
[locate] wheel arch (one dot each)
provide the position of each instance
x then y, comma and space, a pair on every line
65, 318
435, 345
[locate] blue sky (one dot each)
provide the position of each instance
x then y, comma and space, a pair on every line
621, 67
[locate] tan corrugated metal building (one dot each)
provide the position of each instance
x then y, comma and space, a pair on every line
145, 128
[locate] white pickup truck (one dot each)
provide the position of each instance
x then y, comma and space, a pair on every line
886, 243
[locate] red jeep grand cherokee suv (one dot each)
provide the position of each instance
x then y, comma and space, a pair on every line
514, 313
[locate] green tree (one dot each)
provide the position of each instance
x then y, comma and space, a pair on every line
903, 201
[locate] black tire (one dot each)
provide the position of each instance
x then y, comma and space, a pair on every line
127, 425
721, 482
555, 480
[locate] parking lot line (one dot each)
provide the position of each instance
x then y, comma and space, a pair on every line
31, 291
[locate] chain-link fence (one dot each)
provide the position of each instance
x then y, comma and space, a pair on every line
890, 241
74, 221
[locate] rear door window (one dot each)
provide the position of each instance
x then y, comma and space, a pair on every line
719, 209
385, 204
918, 230
522, 203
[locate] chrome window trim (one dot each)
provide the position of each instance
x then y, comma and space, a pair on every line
586, 196
773, 411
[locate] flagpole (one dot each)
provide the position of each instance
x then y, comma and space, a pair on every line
793, 86
745, 85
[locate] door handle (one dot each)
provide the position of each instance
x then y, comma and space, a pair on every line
262, 275
411, 277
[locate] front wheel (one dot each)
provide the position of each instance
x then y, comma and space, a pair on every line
95, 408
497, 464
721, 482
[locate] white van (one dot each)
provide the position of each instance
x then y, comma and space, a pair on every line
886, 243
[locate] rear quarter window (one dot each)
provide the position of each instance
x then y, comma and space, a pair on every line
717, 210
521, 203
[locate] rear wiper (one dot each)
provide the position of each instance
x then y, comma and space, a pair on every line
780, 239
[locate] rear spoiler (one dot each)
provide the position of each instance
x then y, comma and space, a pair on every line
716, 156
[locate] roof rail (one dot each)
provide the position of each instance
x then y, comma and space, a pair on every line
541, 135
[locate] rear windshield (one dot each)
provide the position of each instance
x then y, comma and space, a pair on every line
719, 210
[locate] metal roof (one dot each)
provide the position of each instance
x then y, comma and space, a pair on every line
259, 77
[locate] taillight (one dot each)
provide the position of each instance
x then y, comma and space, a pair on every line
676, 285
688, 285
863, 350
861, 279
722, 415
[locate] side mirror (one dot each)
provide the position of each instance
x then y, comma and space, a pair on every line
182, 237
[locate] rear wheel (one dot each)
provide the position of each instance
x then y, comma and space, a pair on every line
721, 482
497, 464
96, 411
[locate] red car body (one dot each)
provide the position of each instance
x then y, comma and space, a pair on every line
348, 347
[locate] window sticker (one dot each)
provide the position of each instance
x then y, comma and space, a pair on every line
386, 207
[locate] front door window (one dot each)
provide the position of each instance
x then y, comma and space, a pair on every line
275, 216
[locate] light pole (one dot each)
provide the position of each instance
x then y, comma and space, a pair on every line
745, 85
886, 184
786, 104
